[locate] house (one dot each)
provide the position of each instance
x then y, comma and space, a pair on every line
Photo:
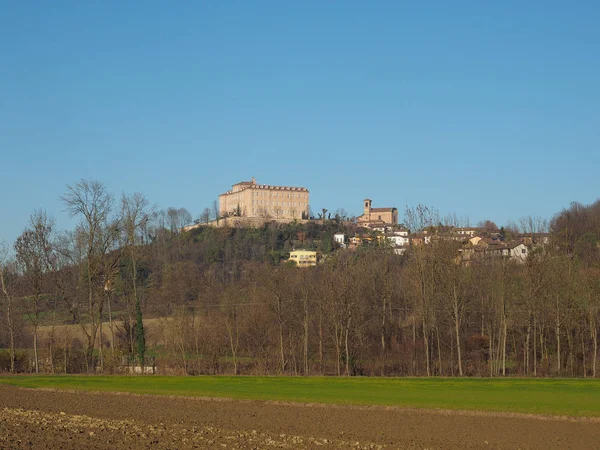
466, 231
475, 240
536, 239
356, 240
515, 251
379, 227
420, 239
401, 250
491, 248
304, 258
340, 239
397, 240
401, 231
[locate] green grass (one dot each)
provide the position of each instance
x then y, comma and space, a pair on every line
538, 396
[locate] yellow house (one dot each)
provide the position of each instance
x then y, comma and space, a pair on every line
475, 240
304, 258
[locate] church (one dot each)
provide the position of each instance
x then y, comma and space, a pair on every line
377, 216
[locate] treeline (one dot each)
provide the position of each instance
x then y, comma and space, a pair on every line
140, 292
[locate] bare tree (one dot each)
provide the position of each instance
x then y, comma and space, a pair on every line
5, 275
34, 254
90, 201
134, 213
420, 217
205, 216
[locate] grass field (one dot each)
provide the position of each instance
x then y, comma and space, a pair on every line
537, 396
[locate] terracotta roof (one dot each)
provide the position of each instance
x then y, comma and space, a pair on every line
498, 245
382, 209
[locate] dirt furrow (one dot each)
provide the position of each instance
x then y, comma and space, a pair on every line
32, 418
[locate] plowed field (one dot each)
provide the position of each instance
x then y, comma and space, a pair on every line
45, 419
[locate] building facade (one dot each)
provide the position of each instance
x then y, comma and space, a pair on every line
304, 258
250, 199
377, 216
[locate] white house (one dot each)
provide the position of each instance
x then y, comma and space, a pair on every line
518, 252
340, 238
466, 231
400, 250
398, 240
515, 251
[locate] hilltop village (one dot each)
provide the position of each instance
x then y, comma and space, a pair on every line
250, 204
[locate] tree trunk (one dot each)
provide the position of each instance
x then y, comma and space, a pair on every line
557, 331
534, 347
595, 356
52, 366
347, 348
491, 354
426, 343
542, 345
232, 345
306, 346
504, 346
457, 330
281, 350
383, 317
92, 340
321, 341
100, 349
526, 358
306, 331
570, 344
112, 331
338, 346
35, 348
9, 319
439, 349
583, 353
451, 334
65, 353
280, 320
414, 342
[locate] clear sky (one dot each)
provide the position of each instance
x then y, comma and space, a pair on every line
484, 109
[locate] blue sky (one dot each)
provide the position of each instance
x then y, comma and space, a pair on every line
484, 109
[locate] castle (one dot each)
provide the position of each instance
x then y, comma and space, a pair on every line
253, 200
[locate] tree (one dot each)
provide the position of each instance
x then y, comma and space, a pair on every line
95, 234
215, 212
35, 257
487, 227
420, 217
454, 281
177, 218
5, 286
205, 216
134, 213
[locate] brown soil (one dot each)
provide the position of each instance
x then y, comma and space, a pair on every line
70, 420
